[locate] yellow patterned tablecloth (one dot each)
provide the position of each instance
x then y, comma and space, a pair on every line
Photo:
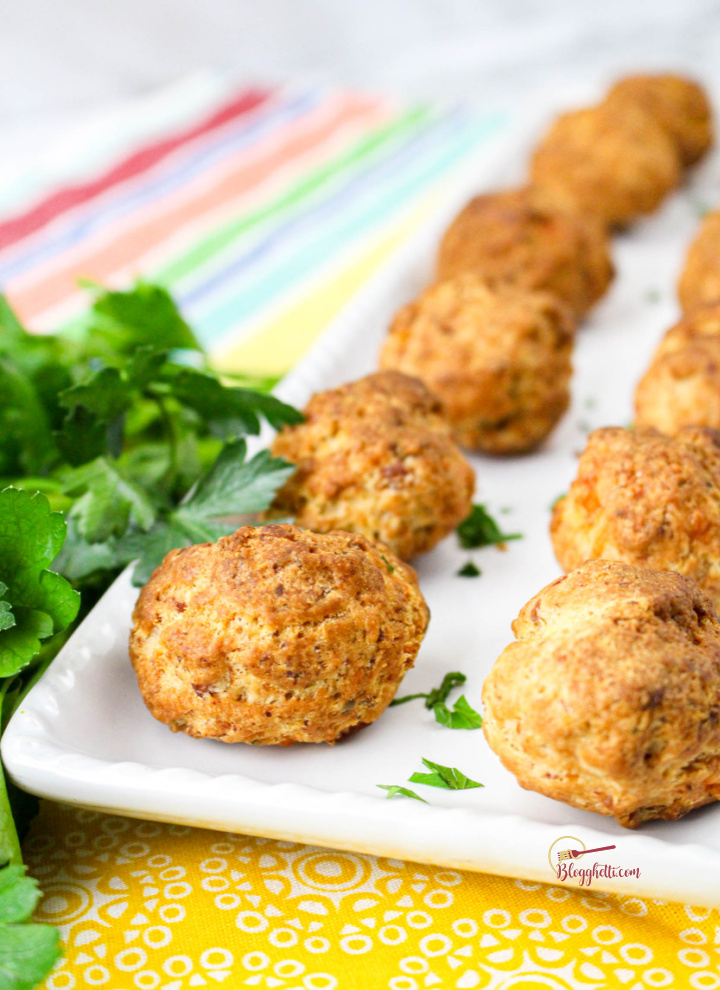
147, 905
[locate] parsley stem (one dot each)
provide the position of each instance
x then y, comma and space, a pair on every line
9, 842
171, 475
408, 697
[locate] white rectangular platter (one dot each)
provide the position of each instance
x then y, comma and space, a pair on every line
84, 736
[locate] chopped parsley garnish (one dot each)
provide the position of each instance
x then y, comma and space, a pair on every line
481, 530
448, 778
432, 697
469, 570
462, 716
393, 790
388, 564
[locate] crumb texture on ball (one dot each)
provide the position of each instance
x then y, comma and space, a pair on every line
519, 237
498, 358
645, 499
678, 104
611, 162
699, 283
682, 385
274, 635
609, 700
376, 456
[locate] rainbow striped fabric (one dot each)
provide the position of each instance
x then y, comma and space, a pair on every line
262, 217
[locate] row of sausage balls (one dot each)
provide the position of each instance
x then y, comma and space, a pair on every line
278, 634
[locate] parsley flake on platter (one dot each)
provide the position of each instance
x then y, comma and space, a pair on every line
481, 530
462, 716
394, 790
448, 778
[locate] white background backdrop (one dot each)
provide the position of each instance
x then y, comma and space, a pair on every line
65, 61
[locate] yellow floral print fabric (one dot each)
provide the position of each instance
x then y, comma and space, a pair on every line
145, 905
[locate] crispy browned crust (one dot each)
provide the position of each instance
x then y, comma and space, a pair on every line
615, 163
682, 385
699, 283
610, 698
499, 359
645, 499
517, 237
276, 635
377, 457
678, 104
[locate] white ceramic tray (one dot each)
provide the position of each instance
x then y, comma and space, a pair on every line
84, 735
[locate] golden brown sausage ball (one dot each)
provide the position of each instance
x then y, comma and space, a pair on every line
679, 105
682, 385
614, 163
648, 500
609, 699
518, 237
274, 635
377, 457
699, 283
499, 360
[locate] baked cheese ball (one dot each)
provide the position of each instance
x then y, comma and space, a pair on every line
376, 456
518, 237
682, 385
648, 500
499, 359
699, 283
274, 635
614, 162
678, 104
609, 700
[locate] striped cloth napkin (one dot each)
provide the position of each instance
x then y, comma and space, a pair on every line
262, 218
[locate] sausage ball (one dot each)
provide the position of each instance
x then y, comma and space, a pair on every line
616, 163
648, 500
610, 698
517, 237
679, 105
274, 635
682, 385
499, 360
377, 457
699, 283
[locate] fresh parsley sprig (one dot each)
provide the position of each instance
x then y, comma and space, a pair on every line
27, 951
36, 604
120, 423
